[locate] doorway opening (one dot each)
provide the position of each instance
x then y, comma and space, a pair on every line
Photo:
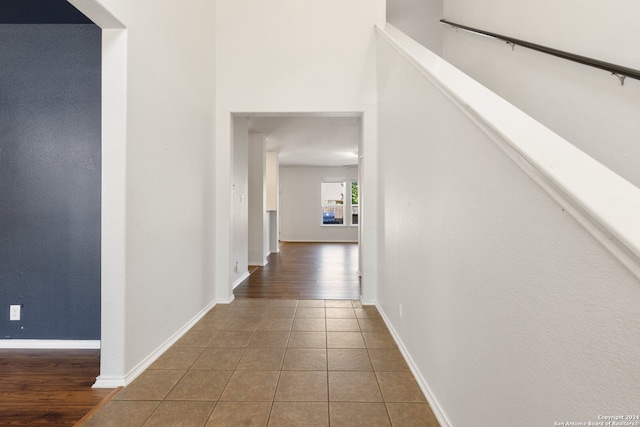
283, 166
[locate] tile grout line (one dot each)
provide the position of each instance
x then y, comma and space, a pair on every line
286, 348
217, 401
326, 350
177, 382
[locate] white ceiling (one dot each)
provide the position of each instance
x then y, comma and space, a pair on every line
310, 140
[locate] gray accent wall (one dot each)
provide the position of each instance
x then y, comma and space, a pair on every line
50, 167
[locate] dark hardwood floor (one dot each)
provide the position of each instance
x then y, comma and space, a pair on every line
306, 271
51, 387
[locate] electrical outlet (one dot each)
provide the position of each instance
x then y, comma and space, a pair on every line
400, 311
14, 312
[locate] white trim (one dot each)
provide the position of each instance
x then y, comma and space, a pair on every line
259, 263
240, 280
104, 381
51, 344
100, 15
320, 241
604, 203
114, 200
367, 302
114, 381
226, 300
426, 390
113, 226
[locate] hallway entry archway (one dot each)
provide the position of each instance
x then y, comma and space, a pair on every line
279, 165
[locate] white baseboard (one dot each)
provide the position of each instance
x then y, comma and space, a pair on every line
259, 263
320, 241
104, 381
227, 300
367, 302
433, 403
50, 344
240, 280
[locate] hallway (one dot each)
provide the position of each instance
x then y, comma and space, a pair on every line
259, 362
498, 205
302, 352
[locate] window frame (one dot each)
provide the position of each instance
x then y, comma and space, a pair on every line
351, 205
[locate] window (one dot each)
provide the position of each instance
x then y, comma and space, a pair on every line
354, 203
332, 202
340, 202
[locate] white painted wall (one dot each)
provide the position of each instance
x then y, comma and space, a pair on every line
113, 201
273, 201
258, 226
419, 19
274, 234
273, 169
312, 57
586, 106
512, 312
240, 201
157, 157
301, 205
168, 136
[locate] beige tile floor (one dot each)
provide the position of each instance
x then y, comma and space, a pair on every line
260, 362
